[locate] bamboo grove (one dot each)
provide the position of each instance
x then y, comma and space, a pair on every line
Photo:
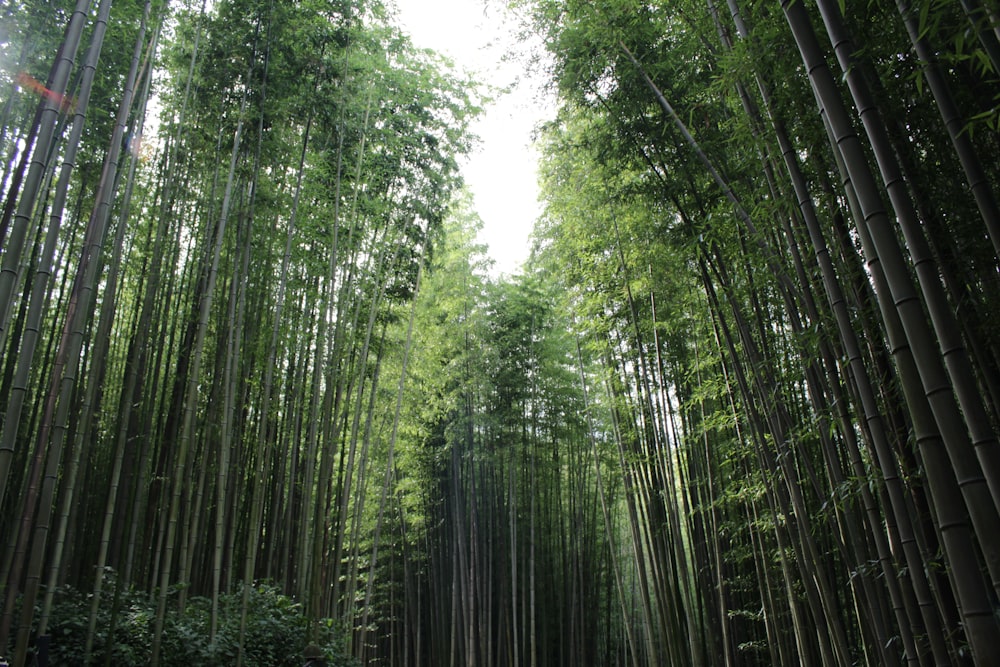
214, 215
739, 408
778, 221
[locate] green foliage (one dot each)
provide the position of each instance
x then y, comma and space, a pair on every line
714, 375
277, 630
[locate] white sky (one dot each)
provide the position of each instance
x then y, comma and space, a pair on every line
501, 174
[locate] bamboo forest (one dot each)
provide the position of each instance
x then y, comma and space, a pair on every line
264, 402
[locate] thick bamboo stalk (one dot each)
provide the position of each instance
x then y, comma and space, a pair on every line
68, 357
884, 250
10, 269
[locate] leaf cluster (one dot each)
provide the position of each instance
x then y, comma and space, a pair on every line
277, 630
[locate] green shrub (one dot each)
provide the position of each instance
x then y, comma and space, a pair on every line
276, 630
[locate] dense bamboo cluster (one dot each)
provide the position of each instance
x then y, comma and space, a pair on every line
778, 222
196, 295
741, 408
